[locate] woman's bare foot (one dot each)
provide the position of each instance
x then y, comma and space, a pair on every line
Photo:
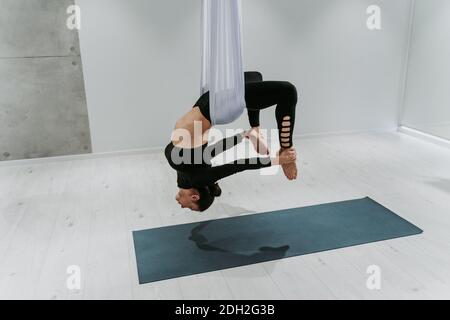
258, 141
289, 168
286, 157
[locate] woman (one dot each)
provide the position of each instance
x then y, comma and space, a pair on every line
190, 155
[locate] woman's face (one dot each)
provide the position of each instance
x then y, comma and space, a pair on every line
187, 198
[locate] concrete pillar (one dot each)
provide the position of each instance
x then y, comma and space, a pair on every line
43, 109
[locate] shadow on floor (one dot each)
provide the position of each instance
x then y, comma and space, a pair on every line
260, 254
224, 210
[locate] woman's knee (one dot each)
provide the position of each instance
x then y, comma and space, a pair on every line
290, 92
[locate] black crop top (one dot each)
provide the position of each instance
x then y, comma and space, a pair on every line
203, 104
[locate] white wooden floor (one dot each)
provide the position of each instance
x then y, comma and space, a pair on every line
82, 212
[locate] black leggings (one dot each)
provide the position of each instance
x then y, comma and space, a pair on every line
264, 94
260, 95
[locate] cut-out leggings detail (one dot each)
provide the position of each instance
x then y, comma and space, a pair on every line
264, 94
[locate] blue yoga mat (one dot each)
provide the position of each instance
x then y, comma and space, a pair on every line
187, 249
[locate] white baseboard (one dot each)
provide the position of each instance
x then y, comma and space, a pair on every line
161, 149
86, 156
343, 133
424, 136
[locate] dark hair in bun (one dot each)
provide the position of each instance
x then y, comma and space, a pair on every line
215, 190
207, 195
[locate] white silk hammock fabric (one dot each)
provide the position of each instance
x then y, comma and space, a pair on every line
222, 59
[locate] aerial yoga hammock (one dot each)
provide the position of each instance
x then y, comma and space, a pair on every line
226, 91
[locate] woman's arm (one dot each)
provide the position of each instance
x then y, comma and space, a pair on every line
224, 145
213, 174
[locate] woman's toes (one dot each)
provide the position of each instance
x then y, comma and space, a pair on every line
290, 170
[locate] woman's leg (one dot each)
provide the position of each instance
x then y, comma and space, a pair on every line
254, 135
262, 95
253, 117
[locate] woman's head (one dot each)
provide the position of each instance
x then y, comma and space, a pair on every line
198, 199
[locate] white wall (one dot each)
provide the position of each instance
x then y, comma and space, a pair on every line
141, 62
427, 97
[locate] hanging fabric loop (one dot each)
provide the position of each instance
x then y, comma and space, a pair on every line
222, 59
